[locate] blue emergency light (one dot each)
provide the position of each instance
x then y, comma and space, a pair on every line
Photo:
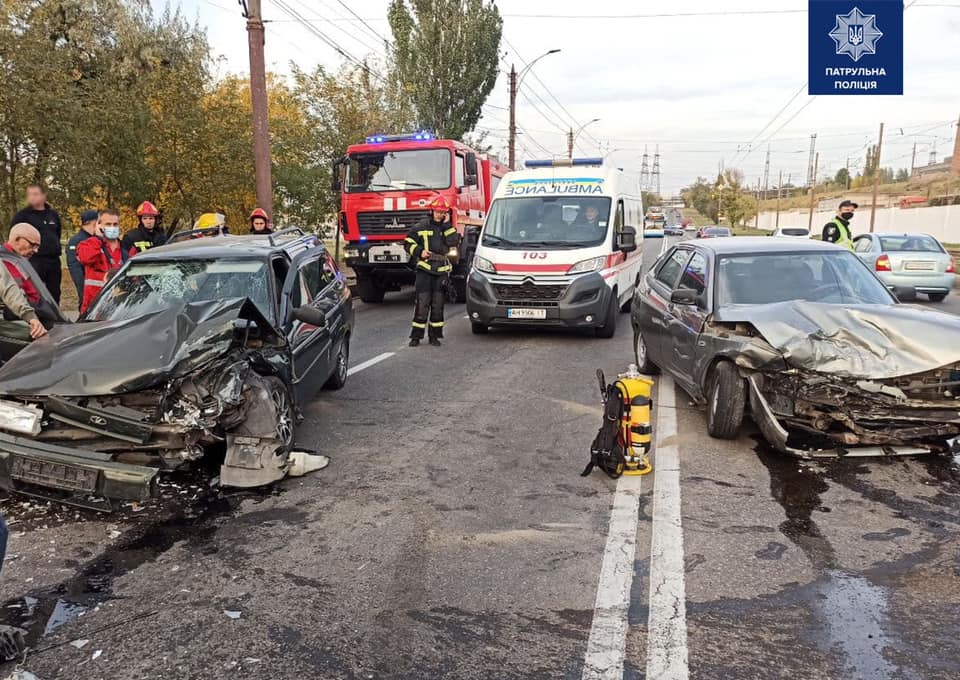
563, 162
421, 136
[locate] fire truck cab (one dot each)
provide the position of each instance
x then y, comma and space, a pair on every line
385, 185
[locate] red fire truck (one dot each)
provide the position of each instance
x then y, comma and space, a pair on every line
385, 185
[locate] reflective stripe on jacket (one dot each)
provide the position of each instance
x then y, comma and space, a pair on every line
846, 238
437, 238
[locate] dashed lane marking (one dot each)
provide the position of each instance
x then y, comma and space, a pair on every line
667, 657
369, 362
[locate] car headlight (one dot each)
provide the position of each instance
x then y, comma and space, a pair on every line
22, 418
351, 252
482, 264
591, 265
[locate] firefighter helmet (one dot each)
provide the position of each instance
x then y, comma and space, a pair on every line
261, 213
439, 203
207, 220
147, 209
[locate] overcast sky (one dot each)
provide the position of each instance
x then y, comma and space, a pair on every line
702, 86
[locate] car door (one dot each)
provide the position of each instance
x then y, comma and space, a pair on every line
655, 302
684, 323
864, 248
311, 345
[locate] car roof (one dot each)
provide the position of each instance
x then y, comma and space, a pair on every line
899, 234
743, 245
229, 246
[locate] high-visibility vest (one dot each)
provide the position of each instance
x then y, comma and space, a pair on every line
846, 239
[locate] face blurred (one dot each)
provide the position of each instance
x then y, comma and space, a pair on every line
36, 198
259, 224
591, 214
149, 221
439, 215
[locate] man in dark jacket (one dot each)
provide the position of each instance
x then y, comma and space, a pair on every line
88, 228
148, 233
837, 230
431, 243
46, 220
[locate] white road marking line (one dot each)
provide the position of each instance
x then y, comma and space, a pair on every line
369, 362
667, 625
608, 632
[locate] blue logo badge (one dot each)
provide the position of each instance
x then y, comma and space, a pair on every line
855, 47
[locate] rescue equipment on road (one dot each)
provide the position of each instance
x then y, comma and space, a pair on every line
623, 442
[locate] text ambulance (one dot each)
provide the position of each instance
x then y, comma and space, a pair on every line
558, 248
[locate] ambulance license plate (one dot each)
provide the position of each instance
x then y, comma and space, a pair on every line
526, 313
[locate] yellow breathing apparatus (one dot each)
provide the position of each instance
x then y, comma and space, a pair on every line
637, 432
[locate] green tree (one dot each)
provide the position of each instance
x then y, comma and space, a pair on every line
902, 175
702, 196
842, 178
446, 55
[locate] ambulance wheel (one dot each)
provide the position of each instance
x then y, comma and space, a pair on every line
479, 328
726, 401
609, 326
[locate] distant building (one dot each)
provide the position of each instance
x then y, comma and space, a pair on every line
946, 165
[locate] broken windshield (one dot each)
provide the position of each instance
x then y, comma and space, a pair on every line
145, 287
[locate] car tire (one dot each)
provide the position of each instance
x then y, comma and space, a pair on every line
937, 297
369, 291
641, 355
341, 365
609, 326
282, 398
479, 328
726, 401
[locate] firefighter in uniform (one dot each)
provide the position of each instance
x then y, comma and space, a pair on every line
147, 234
837, 230
260, 222
431, 243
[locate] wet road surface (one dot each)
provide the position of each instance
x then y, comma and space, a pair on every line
451, 537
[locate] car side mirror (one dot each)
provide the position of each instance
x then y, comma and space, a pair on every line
470, 180
684, 296
335, 177
627, 239
470, 167
310, 315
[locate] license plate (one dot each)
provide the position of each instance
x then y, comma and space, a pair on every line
59, 475
387, 254
524, 313
920, 266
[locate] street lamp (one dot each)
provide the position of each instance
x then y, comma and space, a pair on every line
572, 137
515, 81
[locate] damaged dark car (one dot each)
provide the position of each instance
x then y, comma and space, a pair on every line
806, 340
206, 347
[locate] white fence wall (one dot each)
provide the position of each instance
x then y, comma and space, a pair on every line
941, 222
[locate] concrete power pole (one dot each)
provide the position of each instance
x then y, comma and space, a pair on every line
512, 157
766, 173
813, 191
876, 180
811, 172
955, 166
779, 185
913, 159
258, 97
570, 144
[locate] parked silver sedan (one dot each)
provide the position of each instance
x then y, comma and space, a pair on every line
909, 263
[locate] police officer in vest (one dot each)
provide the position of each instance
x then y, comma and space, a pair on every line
431, 244
837, 230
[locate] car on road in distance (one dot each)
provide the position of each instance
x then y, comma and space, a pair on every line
210, 346
690, 227
802, 336
791, 232
714, 232
909, 263
558, 248
655, 230
673, 230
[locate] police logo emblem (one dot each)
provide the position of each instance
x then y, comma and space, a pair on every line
856, 34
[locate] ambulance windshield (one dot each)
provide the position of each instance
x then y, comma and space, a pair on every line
547, 221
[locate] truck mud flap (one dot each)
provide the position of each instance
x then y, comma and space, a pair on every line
27, 465
101, 421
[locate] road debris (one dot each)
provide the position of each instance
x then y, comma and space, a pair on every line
80, 644
233, 614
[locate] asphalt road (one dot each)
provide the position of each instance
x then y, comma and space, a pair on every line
452, 537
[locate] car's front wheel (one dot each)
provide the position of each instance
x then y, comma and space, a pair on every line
726, 401
609, 327
340, 366
283, 407
642, 355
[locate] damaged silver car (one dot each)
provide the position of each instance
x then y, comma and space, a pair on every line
803, 337
206, 347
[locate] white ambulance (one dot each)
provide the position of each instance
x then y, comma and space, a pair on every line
558, 248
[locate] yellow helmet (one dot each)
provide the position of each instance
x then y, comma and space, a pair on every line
207, 220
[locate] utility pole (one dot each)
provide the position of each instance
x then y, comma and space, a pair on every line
847, 182
656, 168
258, 98
512, 157
644, 171
570, 144
813, 191
779, 185
766, 173
913, 159
756, 219
811, 172
876, 180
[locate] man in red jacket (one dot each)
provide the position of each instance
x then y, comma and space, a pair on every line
100, 255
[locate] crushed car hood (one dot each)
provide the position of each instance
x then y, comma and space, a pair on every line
860, 341
113, 357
